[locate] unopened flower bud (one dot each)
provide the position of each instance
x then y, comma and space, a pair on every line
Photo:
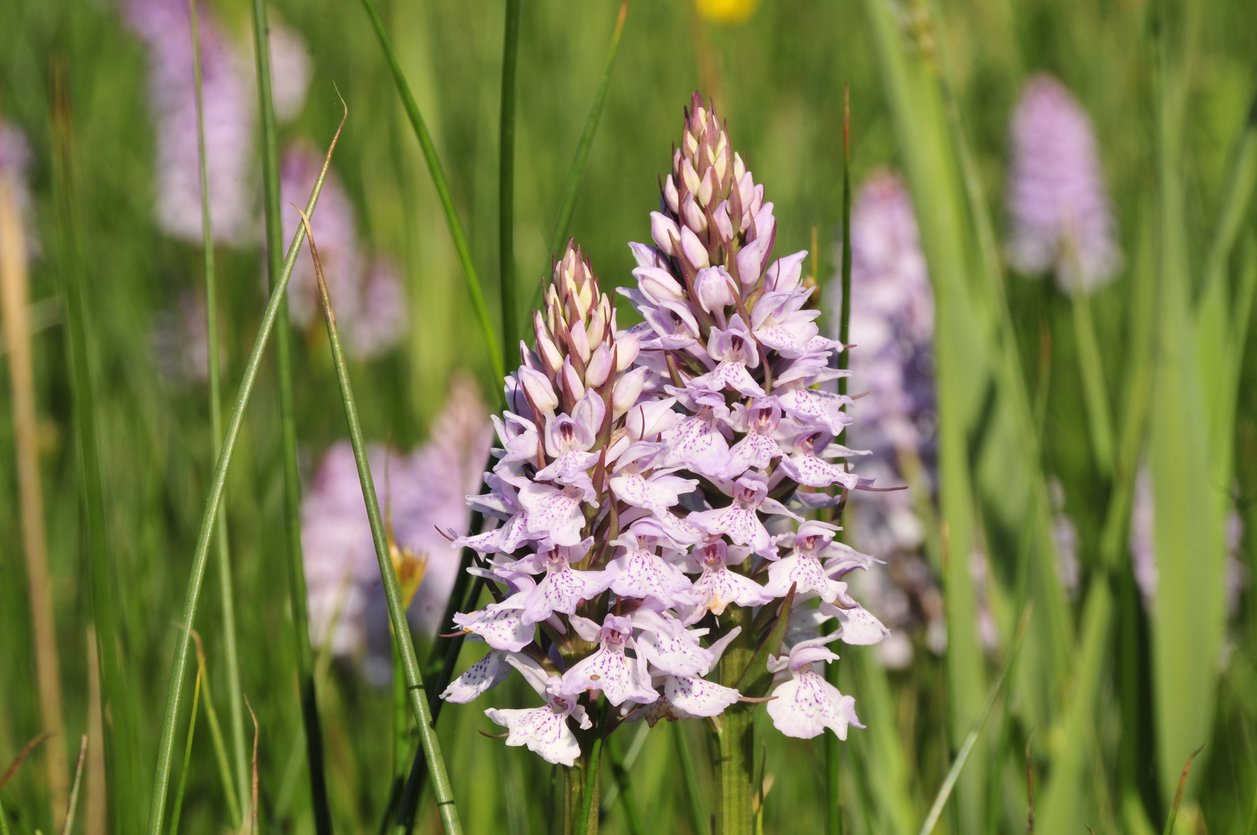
627, 391
664, 232
599, 368
538, 389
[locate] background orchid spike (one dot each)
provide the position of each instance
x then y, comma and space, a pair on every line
1061, 218
648, 482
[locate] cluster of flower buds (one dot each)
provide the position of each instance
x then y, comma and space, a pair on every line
650, 480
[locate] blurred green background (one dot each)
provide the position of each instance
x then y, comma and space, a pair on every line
1104, 702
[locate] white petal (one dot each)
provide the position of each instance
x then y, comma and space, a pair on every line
694, 697
805, 705
485, 674
541, 729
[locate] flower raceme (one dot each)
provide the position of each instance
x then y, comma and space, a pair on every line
650, 482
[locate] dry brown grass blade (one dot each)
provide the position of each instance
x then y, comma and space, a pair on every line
14, 304
96, 821
21, 758
253, 824
73, 802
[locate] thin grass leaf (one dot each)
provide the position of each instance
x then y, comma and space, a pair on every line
4, 820
443, 192
971, 738
253, 771
571, 185
1191, 467
833, 747
297, 598
694, 805
397, 612
216, 732
176, 808
1178, 794
73, 803
226, 587
626, 796
1095, 391
174, 696
506, 188
120, 741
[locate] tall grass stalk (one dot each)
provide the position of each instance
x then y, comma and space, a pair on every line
117, 701
506, 188
437, 172
392, 592
288, 434
226, 587
833, 747
14, 303
178, 673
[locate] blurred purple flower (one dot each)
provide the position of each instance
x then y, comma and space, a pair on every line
422, 495
1060, 215
165, 27
892, 371
1143, 552
367, 293
15, 164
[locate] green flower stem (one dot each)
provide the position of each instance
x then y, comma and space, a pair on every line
183, 635
582, 792
222, 553
732, 735
392, 592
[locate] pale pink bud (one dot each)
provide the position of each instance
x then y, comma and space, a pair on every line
694, 217
714, 287
664, 232
627, 346
670, 197
693, 250
573, 386
627, 390
538, 388
599, 368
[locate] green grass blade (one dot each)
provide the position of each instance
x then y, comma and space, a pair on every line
176, 809
1189, 491
216, 733
567, 203
288, 433
226, 587
626, 795
506, 188
392, 592
178, 673
695, 805
833, 746
442, 191
123, 763
971, 738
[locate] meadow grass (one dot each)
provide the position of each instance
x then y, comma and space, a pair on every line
478, 137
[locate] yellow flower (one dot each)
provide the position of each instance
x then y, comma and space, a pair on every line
727, 11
